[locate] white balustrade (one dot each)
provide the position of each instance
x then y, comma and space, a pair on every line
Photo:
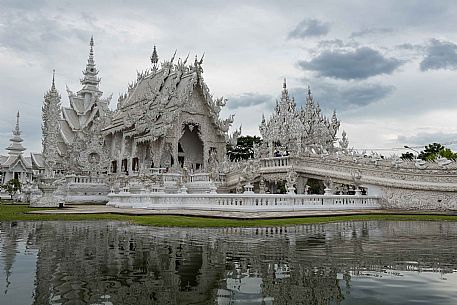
199, 177
84, 179
243, 202
275, 161
167, 177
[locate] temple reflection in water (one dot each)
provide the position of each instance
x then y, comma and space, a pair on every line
116, 263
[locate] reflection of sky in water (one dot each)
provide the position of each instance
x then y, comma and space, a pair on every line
112, 263
17, 274
402, 287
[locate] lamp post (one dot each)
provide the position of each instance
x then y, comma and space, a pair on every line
407, 147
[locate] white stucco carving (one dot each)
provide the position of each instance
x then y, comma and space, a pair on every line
166, 135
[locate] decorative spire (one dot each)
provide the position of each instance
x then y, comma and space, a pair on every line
285, 93
17, 131
154, 57
90, 80
173, 58
91, 61
201, 59
16, 147
309, 98
53, 87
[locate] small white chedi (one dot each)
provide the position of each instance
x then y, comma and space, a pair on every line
166, 141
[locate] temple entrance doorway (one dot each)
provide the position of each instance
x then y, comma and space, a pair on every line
190, 148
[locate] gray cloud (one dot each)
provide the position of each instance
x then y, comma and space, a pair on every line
35, 32
37, 36
337, 44
360, 63
410, 46
310, 27
344, 97
249, 99
440, 55
371, 32
425, 138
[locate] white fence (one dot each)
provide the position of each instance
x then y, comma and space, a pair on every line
275, 161
243, 202
84, 179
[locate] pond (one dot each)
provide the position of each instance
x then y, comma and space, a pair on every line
106, 262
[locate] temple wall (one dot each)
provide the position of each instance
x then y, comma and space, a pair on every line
404, 199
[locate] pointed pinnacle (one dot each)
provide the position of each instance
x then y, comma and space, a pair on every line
154, 56
201, 59
91, 51
53, 86
53, 76
17, 131
173, 58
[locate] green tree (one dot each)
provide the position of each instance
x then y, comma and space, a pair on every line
244, 148
447, 153
407, 156
12, 186
435, 150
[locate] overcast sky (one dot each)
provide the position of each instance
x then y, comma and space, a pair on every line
389, 68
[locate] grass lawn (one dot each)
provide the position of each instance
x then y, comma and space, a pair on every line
14, 212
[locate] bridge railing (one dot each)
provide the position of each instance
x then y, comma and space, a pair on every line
77, 179
199, 177
243, 202
275, 161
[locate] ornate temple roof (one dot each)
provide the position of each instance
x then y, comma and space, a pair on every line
299, 128
15, 153
12, 161
37, 160
156, 99
85, 105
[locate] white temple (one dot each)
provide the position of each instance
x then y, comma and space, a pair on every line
16, 165
298, 130
164, 146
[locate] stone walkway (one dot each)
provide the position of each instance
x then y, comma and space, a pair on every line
103, 209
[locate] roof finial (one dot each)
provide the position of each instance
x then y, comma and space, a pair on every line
154, 57
17, 130
90, 73
185, 60
201, 59
53, 87
309, 98
16, 147
173, 58
91, 51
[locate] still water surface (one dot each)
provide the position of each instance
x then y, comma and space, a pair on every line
374, 262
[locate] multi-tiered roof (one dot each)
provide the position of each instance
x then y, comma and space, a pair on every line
155, 100
296, 130
85, 105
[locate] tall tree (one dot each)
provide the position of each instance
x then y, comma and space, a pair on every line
244, 148
435, 150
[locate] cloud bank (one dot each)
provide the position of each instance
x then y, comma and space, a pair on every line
361, 63
310, 28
